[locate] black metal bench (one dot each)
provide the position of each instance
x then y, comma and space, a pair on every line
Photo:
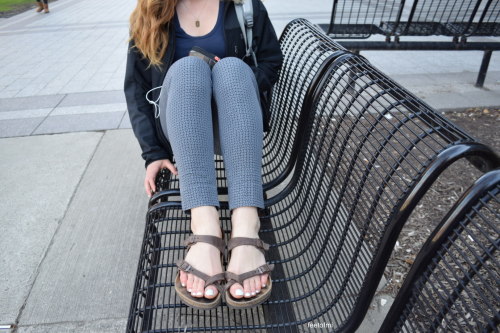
367, 151
459, 19
453, 285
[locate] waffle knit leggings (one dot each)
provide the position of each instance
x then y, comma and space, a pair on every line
195, 130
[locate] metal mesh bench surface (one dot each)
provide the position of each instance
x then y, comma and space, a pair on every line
369, 152
454, 284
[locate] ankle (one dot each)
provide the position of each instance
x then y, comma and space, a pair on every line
244, 233
245, 228
205, 220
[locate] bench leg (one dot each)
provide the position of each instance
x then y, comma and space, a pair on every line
484, 68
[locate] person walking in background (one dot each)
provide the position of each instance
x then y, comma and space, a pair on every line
42, 5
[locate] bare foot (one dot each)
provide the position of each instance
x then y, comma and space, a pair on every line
203, 256
244, 258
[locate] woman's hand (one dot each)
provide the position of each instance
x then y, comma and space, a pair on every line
151, 172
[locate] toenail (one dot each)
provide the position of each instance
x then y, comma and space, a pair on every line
257, 291
189, 290
264, 285
253, 293
182, 284
199, 293
239, 292
209, 292
247, 294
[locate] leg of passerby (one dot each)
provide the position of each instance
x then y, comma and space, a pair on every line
39, 7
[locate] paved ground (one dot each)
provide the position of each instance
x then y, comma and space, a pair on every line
66, 211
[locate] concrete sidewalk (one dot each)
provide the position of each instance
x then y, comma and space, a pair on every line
63, 71
71, 224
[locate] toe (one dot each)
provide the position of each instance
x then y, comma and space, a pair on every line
236, 290
252, 286
194, 286
246, 287
183, 277
210, 292
190, 282
198, 287
258, 284
263, 280
201, 288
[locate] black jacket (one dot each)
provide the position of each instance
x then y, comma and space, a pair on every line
139, 78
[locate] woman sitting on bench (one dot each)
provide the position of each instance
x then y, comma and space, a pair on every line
203, 109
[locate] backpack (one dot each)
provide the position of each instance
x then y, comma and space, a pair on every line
244, 12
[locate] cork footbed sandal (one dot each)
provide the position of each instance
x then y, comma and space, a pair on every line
201, 303
232, 278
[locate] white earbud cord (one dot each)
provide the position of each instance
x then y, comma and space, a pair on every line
155, 103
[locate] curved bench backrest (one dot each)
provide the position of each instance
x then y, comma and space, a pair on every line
453, 285
306, 52
369, 154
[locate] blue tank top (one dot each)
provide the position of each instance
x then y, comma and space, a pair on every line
212, 42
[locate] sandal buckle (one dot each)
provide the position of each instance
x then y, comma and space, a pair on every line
186, 267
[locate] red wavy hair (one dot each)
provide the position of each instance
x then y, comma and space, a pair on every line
149, 27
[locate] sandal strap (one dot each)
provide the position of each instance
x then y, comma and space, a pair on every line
215, 279
213, 240
232, 278
237, 241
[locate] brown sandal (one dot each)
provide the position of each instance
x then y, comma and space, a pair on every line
232, 278
201, 303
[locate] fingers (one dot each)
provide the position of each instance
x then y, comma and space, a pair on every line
170, 167
152, 171
152, 185
147, 187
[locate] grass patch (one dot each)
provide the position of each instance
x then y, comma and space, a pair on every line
7, 5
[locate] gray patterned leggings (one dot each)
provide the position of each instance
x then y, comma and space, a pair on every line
195, 130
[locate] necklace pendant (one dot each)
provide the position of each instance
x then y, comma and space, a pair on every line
197, 23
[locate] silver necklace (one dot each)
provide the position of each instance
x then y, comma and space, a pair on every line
196, 18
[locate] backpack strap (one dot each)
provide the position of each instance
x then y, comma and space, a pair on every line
244, 12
